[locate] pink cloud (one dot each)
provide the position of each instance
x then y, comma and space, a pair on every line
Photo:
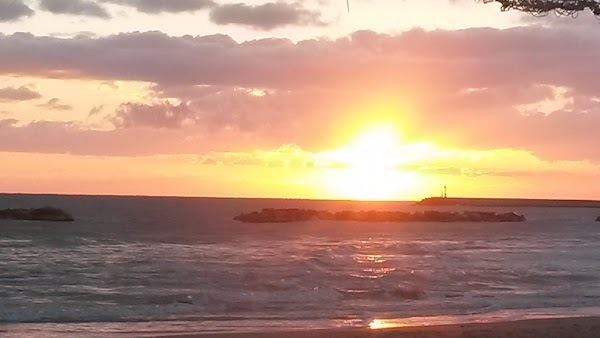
465, 86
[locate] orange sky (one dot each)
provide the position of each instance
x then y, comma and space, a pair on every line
390, 101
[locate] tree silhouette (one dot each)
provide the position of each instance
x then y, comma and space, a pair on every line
543, 7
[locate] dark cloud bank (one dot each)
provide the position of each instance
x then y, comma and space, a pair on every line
11, 10
265, 16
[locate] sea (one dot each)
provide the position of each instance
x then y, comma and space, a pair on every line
152, 266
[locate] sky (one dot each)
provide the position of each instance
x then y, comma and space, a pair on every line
297, 99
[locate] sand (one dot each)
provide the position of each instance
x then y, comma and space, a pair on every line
579, 327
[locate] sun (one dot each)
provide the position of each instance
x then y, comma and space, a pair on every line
374, 149
369, 167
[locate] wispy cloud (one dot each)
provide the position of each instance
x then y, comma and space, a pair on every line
18, 94
56, 104
266, 16
75, 7
165, 6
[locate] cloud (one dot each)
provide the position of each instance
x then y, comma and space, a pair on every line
8, 123
96, 110
75, 7
473, 58
465, 88
18, 94
69, 138
165, 6
285, 156
11, 10
56, 104
494, 162
267, 16
161, 115
77, 139
272, 117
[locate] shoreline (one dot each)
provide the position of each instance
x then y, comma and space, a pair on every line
558, 327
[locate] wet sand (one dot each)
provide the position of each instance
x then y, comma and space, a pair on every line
579, 327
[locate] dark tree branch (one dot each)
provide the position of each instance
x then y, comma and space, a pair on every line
543, 7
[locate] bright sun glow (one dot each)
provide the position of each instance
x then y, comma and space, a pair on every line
373, 150
370, 166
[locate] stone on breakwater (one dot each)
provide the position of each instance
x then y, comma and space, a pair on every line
49, 214
301, 215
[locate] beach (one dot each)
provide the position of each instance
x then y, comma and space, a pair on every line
580, 327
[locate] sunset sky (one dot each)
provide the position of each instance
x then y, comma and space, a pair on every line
297, 99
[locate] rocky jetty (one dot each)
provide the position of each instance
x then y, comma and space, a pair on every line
300, 215
506, 202
48, 214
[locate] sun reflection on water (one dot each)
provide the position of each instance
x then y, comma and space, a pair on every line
369, 258
380, 324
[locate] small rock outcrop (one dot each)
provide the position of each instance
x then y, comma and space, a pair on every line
301, 215
598, 219
48, 214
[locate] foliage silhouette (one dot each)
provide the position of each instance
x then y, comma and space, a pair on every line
543, 7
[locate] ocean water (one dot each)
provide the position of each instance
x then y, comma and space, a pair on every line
135, 265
